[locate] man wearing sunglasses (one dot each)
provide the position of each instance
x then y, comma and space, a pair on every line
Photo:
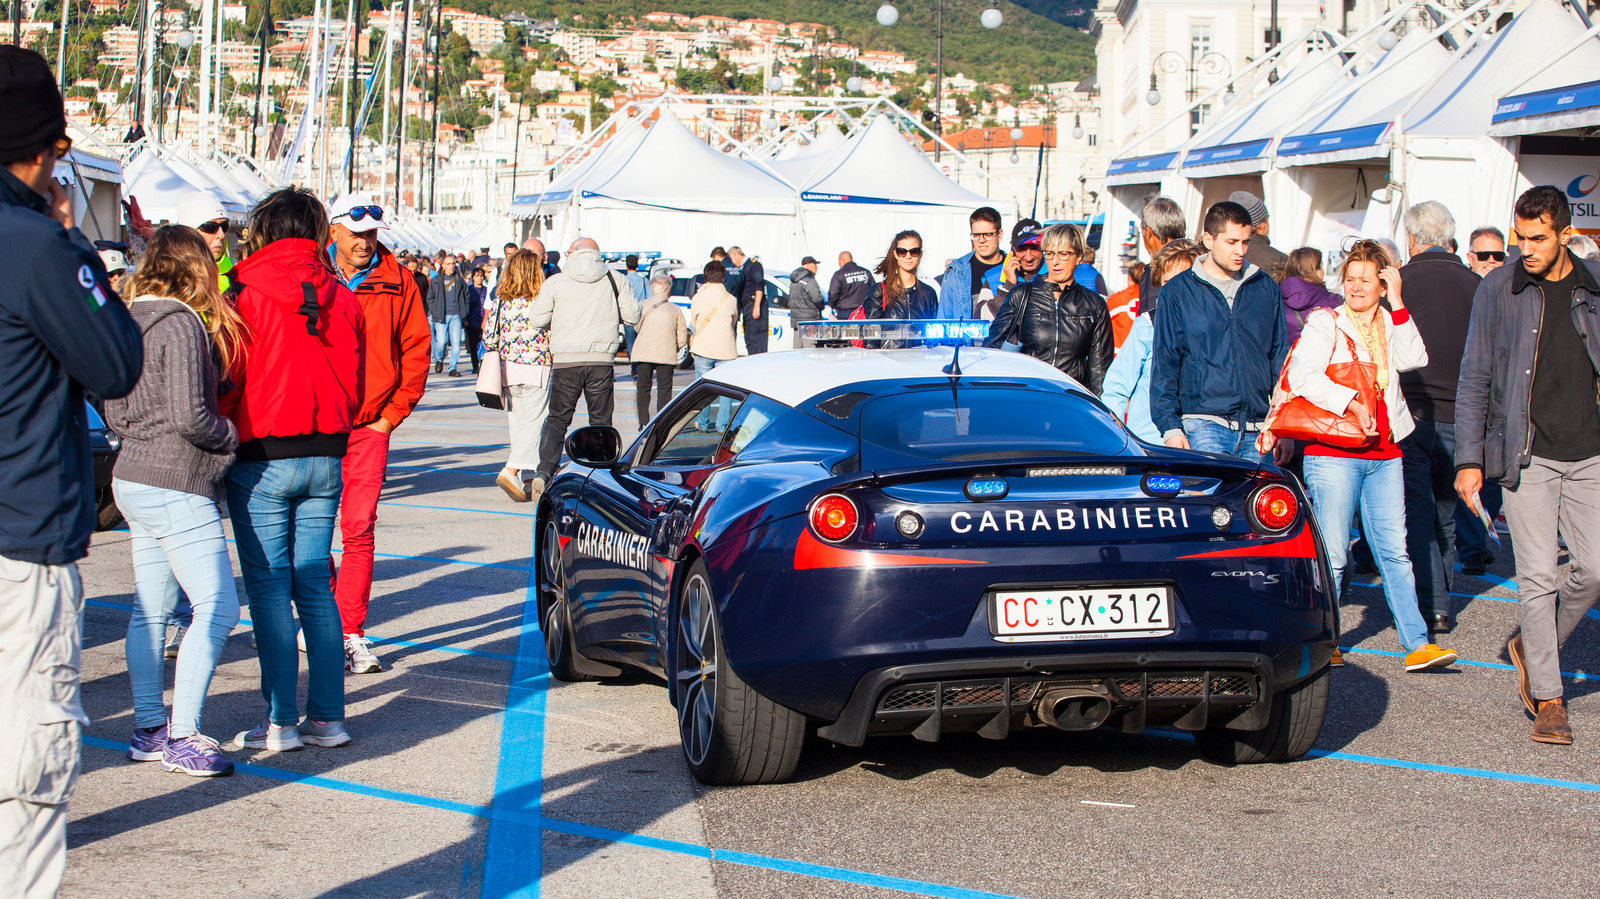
202, 212
974, 278
1486, 251
394, 373
65, 334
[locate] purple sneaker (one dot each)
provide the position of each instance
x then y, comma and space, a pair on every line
196, 755
148, 743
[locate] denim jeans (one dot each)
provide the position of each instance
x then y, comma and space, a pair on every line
1430, 474
1210, 437
447, 330
1472, 541
283, 512
595, 383
177, 545
722, 405
1336, 487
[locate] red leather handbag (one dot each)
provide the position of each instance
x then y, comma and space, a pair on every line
1296, 418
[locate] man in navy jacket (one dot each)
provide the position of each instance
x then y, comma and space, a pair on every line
1220, 342
63, 331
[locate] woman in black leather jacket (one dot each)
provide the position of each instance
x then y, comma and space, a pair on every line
900, 294
1056, 320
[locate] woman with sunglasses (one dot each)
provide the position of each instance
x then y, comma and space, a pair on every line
902, 294
176, 448
1055, 319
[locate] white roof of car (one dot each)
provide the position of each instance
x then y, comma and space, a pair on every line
793, 377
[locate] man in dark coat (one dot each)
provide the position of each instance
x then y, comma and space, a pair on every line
752, 296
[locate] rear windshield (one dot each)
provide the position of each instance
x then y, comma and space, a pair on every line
980, 424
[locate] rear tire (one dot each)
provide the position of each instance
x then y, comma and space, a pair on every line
555, 620
731, 734
1292, 728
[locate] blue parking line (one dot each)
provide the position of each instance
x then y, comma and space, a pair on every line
513, 862
522, 821
1485, 773
1509, 585
416, 644
1570, 675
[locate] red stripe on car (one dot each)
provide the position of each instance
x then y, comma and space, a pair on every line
1300, 546
813, 553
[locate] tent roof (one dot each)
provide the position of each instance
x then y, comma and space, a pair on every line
879, 166
798, 166
156, 186
1554, 99
1357, 125
666, 167
1241, 140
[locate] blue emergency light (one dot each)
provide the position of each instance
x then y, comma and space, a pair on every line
927, 332
982, 489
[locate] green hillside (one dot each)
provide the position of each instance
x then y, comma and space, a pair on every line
1027, 49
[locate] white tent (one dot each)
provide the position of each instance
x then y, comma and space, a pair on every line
94, 182
156, 185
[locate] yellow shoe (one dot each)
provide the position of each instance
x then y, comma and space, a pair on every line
1337, 661
1429, 656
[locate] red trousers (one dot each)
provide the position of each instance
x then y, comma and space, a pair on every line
365, 462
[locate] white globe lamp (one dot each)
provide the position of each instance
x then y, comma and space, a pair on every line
1388, 40
888, 15
853, 84
990, 18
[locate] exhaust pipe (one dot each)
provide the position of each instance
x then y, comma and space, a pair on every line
1073, 708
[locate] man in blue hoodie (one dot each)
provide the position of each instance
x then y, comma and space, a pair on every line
63, 332
975, 277
1220, 342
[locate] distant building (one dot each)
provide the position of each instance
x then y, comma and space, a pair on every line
483, 33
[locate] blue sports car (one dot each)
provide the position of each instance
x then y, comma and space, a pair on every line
929, 541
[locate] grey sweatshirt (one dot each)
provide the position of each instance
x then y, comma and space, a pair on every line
172, 434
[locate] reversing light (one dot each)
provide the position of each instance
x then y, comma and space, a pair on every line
833, 517
1221, 517
1274, 508
909, 524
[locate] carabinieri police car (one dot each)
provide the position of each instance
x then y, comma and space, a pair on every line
927, 541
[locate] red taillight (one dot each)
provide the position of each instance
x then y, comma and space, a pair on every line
833, 517
1275, 507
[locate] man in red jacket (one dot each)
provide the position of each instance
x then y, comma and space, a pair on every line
396, 369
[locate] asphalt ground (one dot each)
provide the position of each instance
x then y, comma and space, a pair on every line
472, 774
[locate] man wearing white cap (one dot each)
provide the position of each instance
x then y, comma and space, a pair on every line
395, 370
202, 212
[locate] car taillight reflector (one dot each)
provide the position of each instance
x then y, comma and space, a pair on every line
833, 517
1275, 507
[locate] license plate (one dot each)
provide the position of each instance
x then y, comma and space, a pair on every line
1081, 614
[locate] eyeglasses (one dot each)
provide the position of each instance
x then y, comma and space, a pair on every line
357, 213
1061, 254
63, 146
1486, 255
984, 235
213, 227
908, 251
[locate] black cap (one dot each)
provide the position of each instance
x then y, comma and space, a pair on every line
810, 260
1026, 232
34, 116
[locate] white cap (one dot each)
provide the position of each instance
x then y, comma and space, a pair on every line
114, 261
339, 213
198, 207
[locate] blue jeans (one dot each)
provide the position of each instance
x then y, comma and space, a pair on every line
722, 405
447, 330
1472, 541
1336, 487
178, 545
283, 513
1210, 437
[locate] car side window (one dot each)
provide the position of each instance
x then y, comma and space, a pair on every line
691, 440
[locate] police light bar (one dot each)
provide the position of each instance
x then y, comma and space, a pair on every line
925, 331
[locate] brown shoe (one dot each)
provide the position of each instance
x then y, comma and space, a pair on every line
1520, 662
1551, 725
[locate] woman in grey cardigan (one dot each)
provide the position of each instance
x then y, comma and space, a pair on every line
175, 450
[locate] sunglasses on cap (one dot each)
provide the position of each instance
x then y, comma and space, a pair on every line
908, 251
213, 227
357, 213
1486, 255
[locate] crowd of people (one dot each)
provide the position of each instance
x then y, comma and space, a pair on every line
274, 383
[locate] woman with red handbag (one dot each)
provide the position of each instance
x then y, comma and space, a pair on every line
1344, 375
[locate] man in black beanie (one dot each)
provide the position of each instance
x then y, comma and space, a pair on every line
63, 331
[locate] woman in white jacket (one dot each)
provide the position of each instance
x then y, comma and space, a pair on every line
1338, 480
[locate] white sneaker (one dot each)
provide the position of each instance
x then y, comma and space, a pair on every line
358, 657
175, 642
324, 733
267, 735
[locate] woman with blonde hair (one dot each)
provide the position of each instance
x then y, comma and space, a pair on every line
176, 448
1339, 480
525, 363
1056, 320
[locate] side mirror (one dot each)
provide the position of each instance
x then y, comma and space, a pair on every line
597, 446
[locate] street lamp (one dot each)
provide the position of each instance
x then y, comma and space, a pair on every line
1172, 62
1077, 126
1388, 40
990, 18
774, 83
853, 84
